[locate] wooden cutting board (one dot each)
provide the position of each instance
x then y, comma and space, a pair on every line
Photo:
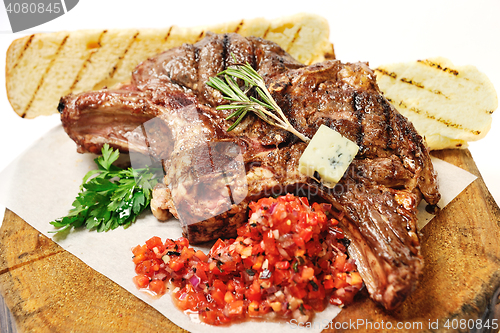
50, 290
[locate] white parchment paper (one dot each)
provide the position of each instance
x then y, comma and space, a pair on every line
452, 181
41, 184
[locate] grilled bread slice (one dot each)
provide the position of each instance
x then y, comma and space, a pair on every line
449, 105
43, 67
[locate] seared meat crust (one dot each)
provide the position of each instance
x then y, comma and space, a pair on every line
211, 175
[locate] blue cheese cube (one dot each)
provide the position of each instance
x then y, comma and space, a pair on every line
329, 154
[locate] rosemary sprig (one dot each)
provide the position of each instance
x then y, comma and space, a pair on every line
265, 108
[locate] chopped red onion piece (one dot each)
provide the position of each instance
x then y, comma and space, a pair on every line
194, 280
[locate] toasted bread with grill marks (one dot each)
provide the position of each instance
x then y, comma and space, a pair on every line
449, 105
43, 67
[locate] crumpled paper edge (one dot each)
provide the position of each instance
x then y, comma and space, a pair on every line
452, 181
41, 184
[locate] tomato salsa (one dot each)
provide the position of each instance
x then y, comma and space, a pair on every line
288, 261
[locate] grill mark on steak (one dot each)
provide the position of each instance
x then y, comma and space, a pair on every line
375, 201
359, 115
387, 110
253, 56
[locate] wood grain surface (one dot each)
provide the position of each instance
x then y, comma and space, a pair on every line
49, 290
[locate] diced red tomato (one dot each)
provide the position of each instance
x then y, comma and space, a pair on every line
230, 286
355, 278
282, 265
340, 261
219, 284
236, 308
139, 250
253, 309
258, 263
176, 264
155, 242
253, 293
157, 286
139, 258
287, 257
218, 296
219, 244
182, 242
269, 243
328, 283
201, 255
144, 267
299, 241
298, 292
141, 281
201, 270
229, 297
306, 234
307, 273
281, 276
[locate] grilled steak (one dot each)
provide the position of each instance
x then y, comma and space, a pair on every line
211, 175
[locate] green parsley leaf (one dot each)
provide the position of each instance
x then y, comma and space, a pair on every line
109, 196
